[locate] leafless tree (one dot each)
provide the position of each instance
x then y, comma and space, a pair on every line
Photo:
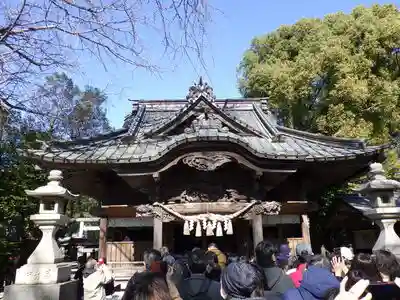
39, 36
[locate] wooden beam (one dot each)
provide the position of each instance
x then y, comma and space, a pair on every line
240, 159
114, 211
194, 208
126, 211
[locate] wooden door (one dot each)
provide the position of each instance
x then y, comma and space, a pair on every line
120, 251
293, 242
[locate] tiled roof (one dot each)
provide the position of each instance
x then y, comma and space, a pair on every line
363, 204
150, 132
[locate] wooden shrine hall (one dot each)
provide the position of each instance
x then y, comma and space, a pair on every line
187, 172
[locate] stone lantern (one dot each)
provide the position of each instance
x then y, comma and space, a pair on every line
45, 276
382, 194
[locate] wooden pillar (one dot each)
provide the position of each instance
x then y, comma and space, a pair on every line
157, 233
258, 234
305, 229
103, 237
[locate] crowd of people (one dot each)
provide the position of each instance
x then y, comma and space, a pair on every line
273, 273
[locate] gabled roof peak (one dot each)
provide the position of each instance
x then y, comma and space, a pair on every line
200, 89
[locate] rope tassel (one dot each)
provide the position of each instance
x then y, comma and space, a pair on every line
229, 227
209, 221
210, 229
186, 229
198, 229
219, 229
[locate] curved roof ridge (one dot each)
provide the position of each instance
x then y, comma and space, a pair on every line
84, 141
130, 130
324, 139
137, 119
265, 121
238, 122
129, 116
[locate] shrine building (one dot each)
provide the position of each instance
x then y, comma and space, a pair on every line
183, 173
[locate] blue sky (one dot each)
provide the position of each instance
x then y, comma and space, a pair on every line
229, 36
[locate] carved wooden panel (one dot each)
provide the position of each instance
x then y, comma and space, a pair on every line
206, 162
220, 181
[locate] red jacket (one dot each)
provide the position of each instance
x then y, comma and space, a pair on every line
297, 276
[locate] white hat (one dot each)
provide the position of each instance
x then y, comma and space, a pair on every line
346, 253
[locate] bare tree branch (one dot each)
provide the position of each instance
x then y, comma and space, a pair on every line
39, 36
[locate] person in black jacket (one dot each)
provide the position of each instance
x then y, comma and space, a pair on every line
180, 270
213, 269
198, 286
276, 279
79, 275
149, 257
242, 280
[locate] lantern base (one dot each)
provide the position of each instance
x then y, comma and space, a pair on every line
43, 274
386, 218
55, 291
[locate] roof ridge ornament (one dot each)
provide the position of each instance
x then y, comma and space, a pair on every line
206, 121
200, 89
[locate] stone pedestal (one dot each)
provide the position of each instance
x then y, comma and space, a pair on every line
385, 218
43, 273
56, 291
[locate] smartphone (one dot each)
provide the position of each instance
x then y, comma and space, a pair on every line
337, 252
384, 291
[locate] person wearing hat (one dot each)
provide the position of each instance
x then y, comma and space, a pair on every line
220, 255
242, 280
303, 248
347, 253
283, 257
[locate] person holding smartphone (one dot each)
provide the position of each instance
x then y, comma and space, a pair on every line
96, 276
